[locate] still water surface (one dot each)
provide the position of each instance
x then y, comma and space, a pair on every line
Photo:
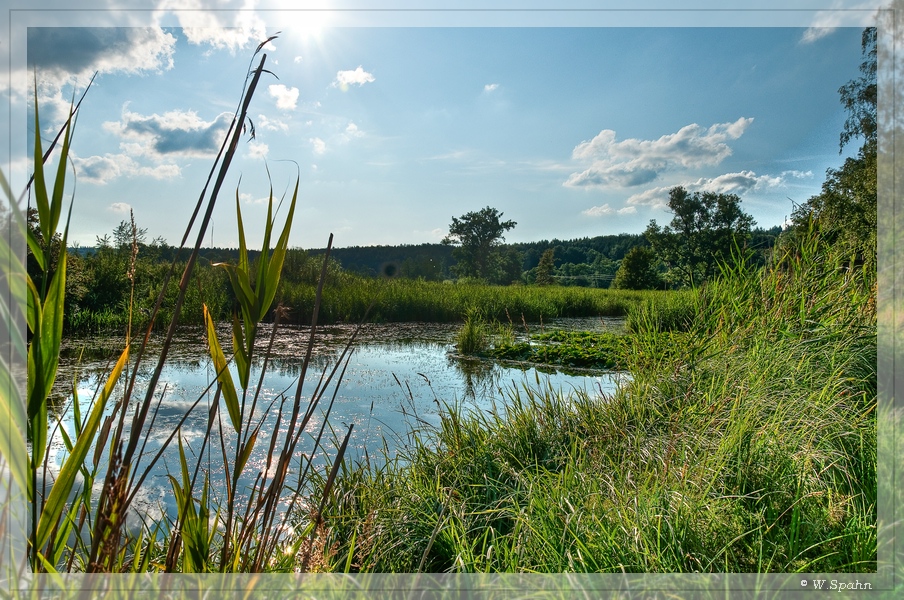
398, 377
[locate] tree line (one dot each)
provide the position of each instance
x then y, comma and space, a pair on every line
706, 230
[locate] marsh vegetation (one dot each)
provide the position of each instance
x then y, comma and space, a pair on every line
744, 439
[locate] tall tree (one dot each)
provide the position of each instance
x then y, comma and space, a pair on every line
844, 212
705, 230
545, 268
638, 271
476, 235
859, 95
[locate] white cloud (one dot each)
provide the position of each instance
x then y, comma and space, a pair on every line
286, 97
825, 22
298, 59
357, 77
247, 198
598, 211
798, 174
634, 162
73, 54
103, 169
490, 87
736, 183
729, 183
180, 133
231, 30
156, 138
657, 197
318, 144
263, 122
605, 209
815, 33
258, 150
120, 207
352, 132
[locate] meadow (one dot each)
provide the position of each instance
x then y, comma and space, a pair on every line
748, 447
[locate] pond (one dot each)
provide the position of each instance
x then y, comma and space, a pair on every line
399, 377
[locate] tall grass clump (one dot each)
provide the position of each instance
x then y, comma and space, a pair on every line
751, 447
82, 507
675, 311
473, 336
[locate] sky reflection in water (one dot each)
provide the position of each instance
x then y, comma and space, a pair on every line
398, 377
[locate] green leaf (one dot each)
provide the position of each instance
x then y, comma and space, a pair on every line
56, 205
12, 441
240, 355
223, 375
38, 438
36, 249
240, 285
276, 261
59, 493
246, 451
51, 330
33, 306
244, 265
42, 203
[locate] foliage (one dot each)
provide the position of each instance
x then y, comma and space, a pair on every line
100, 282
638, 271
476, 234
583, 350
859, 96
545, 268
845, 211
707, 228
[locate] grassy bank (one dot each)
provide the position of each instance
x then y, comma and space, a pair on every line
749, 447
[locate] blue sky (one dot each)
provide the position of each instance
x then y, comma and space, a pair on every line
392, 131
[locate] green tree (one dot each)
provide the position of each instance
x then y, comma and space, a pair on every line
705, 231
638, 271
545, 268
844, 212
859, 95
476, 234
123, 235
506, 266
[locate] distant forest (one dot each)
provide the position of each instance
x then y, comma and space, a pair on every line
586, 262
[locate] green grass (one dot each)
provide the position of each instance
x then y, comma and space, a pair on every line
347, 297
750, 446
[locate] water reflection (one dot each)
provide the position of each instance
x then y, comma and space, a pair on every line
398, 378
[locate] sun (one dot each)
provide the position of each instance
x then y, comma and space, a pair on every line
307, 26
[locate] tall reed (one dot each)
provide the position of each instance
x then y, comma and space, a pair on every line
73, 527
